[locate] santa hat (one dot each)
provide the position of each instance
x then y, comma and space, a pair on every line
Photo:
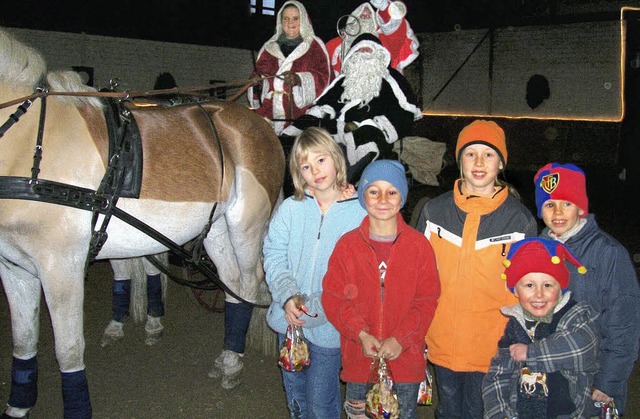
565, 182
483, 132
537, 254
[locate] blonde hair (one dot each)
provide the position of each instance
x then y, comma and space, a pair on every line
317, 140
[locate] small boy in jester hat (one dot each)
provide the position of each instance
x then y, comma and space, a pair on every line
610, 285
548, 354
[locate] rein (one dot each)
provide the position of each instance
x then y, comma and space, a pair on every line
126, 95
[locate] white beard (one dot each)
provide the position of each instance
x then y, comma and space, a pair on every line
363, 74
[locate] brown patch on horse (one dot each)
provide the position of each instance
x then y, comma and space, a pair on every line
181, 152
182, 158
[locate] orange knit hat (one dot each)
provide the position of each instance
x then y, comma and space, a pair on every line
484, 132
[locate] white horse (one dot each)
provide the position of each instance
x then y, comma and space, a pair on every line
188, 170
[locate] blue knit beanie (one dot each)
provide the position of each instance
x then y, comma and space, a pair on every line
388, 170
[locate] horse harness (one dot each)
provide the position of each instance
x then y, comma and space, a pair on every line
122, 178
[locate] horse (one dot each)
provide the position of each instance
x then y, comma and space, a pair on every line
210, 169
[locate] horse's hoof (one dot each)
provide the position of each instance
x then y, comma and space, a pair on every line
227, 364
215, 372
112, 333
5, 415
153, 338
229, 383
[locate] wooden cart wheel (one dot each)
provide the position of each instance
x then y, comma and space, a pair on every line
211, 298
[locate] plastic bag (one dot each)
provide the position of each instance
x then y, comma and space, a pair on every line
294, 353
381, 399
425, 393
609, 410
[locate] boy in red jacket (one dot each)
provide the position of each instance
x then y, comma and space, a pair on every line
381, 291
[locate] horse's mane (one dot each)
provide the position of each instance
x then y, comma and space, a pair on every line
24, 66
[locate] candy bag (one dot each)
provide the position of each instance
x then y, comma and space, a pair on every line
294, 353
608, 410
381, 399
425, 393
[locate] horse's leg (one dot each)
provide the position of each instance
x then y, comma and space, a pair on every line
155, 302
63, 286
119, 303
23, 295
228, 364
234, 244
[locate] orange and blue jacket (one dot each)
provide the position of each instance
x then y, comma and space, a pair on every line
471, 236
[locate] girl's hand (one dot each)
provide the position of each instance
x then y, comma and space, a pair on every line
292, 311
370, 344
390, 349
518, 352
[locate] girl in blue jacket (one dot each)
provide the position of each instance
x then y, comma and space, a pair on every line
301, 237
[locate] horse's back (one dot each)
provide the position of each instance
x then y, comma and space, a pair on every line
185, 146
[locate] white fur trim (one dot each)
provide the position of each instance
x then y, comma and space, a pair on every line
389, 131
402, 99
388, 27
365, 149
292, 131
415, 45
305, 94
379, 4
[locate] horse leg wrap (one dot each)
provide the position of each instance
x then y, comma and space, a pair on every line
121, 299
24, 383
155, 306
75, 395
236, 324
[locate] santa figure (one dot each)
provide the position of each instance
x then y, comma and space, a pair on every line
294, 65
387, 21
366, 108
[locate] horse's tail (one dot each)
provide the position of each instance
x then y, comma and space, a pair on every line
139, 285
260, 336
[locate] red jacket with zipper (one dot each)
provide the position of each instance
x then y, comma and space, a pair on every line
352, 300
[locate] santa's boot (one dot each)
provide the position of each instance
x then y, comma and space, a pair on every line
120, 312
155, 310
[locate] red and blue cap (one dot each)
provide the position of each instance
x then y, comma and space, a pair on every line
564, 182
537, 254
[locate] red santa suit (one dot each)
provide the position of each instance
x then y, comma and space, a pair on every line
309, 61
390, 26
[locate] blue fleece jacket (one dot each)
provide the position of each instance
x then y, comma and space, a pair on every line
296, 253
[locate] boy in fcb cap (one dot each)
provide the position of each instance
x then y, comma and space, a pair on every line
549, 351
610, 285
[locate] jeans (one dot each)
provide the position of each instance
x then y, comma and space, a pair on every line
356, 393
459, 394
314, 392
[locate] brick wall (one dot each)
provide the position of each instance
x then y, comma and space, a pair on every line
581, 62
137, 63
